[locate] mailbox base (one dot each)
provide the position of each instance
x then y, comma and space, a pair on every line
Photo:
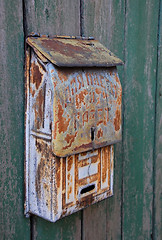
58, 187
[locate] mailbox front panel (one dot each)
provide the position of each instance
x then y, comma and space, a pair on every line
86, 109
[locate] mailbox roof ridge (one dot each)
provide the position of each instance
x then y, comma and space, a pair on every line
74, 52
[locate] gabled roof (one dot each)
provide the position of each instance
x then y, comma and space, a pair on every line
72, 52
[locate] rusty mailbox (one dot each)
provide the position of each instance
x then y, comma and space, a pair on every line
73, 118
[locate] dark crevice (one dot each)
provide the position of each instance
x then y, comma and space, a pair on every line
82, 35
82, 224
32, 227
24, 19
123, 109
82, 18
155, 119
92, 133
32, 218
87, 189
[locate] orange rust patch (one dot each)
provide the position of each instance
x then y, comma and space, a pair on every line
69, 139
109, 169
85, 117
63, 123
104, 95
104, 163
99, 133
117, 79
36, 75
69, 192
86, 74
102, 121
32, 92
64, 49
117, 120
62, 76
119, 98
80, 98
70, 163
83, 146
39, 109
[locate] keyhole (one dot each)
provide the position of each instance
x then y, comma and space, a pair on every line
92, 133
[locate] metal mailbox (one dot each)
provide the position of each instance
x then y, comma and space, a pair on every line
72, 120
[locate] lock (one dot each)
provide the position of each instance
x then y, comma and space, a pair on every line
72, 119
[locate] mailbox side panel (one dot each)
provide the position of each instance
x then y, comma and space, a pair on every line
39, 159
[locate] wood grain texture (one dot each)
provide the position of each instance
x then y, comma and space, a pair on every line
68, 228
139, 104
54, 18
94, 222
13, 224
105, 21
157, 226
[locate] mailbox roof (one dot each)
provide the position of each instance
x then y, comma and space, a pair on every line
72, 52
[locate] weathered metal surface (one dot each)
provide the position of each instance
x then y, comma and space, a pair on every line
86, 109
78, 109
65, 52
61, 186
69, 111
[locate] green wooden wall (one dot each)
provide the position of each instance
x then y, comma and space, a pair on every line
133, 31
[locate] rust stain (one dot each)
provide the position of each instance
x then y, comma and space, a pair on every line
43, 173
70, 163
102, 121
109, 162
63, 123
86, 201
84, 101
58, 166
74, 52
117, 120
100, 133
39, 109
63, 48
119, 99
64, 182
36, 75
85, 117
117, 79
70, 139
64, 74
84, 146
69, 192
80, 98
104, 163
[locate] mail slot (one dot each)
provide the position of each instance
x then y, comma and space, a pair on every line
72, 119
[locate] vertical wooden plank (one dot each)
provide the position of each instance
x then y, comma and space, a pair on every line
139, 104
53, 17
105, 21
61, 18
13, 224
157, 226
